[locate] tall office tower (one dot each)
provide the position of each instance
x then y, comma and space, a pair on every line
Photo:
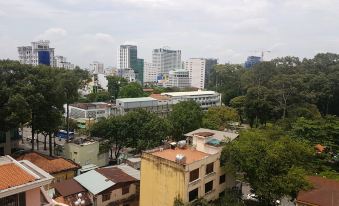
150, 72
166, 60
178, 78
199, 71
128, 58
251, 61
38, 53
97, 67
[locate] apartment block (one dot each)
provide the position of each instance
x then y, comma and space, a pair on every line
150, 73
199, 71
178, 78
166, 60
184, 171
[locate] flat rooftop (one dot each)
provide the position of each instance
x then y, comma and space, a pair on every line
191, 155
192, 93
137, 99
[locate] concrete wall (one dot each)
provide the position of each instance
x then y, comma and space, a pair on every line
33, 197
161, 181
117, 195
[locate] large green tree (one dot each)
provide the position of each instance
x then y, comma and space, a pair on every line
275, 165
132, 90
185, 117
219, 117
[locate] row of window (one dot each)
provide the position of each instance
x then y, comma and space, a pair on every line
194, 194
194, 175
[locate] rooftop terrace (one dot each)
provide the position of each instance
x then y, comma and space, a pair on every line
191, 155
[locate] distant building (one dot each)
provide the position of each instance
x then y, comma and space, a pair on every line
199, 71
61, 169
139, 71
61, 62
90, 110
116, 185
22, 182
166, 60
127, 74
251, 61
195, 171
8, 141
84, 152
150, 73
178, 78
325, 192
38, 53
97, 67
127, 56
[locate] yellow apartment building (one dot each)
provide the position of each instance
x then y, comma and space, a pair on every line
187, 172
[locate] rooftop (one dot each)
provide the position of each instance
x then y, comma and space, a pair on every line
219, 135
12, 175
49, 164
324, 193
138, 99
191, 155
192, 93
159, 97
92, 105
68, 187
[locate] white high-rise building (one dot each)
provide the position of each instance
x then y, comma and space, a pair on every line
199, 71
38, 53
150, 72
61, 62
127, 56
166, 60
178, 78
97, 67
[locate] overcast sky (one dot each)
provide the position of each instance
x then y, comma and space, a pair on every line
230, 30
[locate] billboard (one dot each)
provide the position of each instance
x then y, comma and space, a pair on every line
44, 58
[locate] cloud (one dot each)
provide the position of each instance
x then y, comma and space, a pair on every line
53, 34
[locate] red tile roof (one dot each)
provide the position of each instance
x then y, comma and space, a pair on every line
324, 193
204, 134
49, 164
12, 175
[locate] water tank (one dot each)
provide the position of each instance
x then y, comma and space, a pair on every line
180, 158
182, 144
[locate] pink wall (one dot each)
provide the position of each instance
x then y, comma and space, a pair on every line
33, 197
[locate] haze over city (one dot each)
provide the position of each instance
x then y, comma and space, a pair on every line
85, 30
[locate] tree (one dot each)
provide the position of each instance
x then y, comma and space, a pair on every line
114, 85
131, 90
239, 104
275, 165
185, 117
102, 96
219, 117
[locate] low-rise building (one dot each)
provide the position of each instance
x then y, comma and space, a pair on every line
325, 192
85, 151
185, 172
116, 185
90, 110
60, 168
22, 182
178, 78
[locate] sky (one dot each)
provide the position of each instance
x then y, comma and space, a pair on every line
230, 30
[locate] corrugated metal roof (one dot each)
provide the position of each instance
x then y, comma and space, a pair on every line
94, 182
128, 170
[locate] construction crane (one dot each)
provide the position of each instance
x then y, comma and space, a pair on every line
262, 53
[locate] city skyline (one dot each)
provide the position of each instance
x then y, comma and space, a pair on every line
86, 31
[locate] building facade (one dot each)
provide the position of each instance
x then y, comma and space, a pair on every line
127, 56
199, 71
166, 60
150, 73
22, 182
127, 73
38, 53
61, 62
139, 71
188, 172
97, 67
251, 61
178, 78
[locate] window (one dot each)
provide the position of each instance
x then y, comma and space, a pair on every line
209, 168
222, 179
106, 197
125, 190
14, 200
194, 175
193, 195
208, 186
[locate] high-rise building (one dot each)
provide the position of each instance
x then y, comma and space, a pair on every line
150, 72
38, 53
61, 62
128, 59
97, 67
251, 61
199, 71
166, 60
127, 73
178, 78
